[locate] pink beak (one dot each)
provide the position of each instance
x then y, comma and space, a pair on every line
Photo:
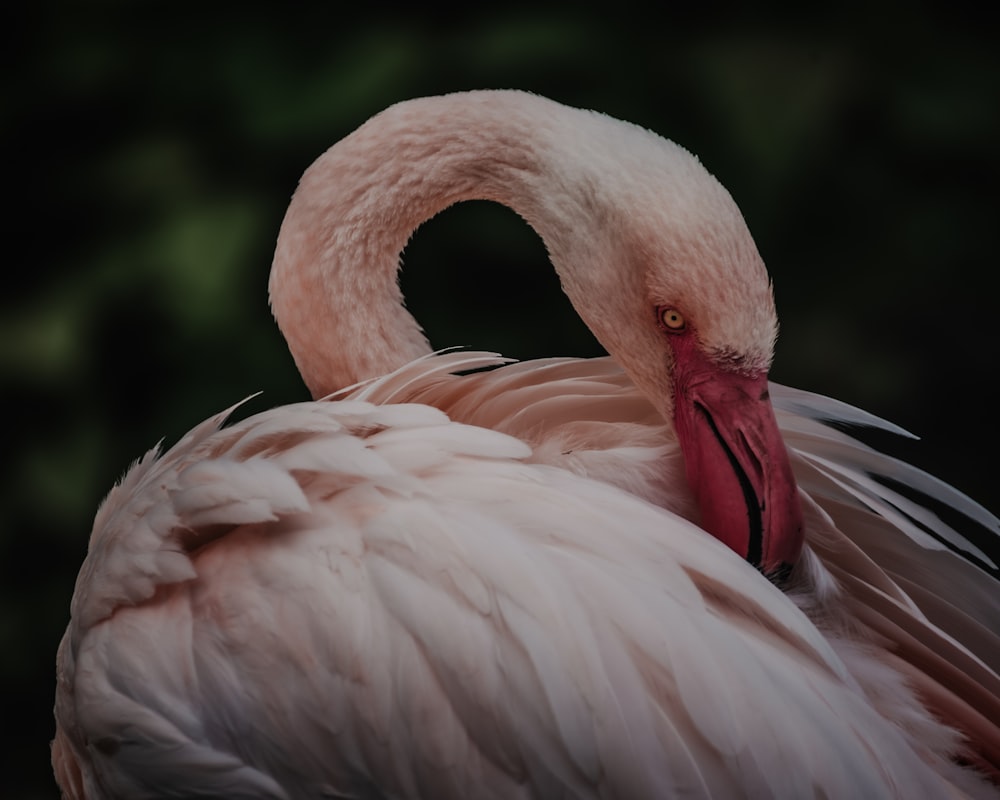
736, 461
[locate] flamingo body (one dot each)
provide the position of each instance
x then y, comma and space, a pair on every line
513, 583
381, 617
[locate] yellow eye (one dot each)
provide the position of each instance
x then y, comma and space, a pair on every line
672, 319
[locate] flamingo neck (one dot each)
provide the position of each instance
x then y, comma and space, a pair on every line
334, 288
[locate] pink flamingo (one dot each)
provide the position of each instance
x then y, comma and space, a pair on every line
616, 577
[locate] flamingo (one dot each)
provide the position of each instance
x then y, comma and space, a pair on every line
652, 574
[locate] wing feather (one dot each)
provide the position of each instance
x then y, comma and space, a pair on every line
360, 600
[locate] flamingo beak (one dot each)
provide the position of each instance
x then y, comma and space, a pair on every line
737, 464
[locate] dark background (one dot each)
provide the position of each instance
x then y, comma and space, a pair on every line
150, 149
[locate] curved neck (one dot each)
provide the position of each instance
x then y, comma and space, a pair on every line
334, 288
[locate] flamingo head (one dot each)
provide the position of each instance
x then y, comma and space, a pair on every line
675, 259
715, 352
710, 320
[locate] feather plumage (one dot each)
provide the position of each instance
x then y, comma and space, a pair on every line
415, 608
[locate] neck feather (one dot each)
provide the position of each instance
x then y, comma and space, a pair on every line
334, 288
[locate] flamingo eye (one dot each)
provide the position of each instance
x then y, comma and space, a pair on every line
671, 319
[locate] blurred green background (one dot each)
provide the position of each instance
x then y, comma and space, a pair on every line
151, 149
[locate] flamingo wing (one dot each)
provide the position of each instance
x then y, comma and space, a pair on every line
341, 599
